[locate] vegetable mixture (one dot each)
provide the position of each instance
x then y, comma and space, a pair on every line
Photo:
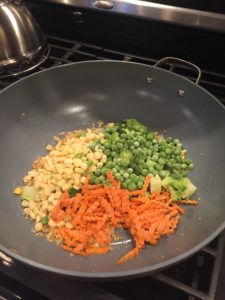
114, 175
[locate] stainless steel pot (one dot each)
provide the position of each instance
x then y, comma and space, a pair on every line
23, 46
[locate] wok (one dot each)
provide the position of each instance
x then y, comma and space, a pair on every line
74, 96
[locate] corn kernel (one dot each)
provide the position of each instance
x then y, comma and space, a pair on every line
25, 203
48, 147
51, 223
38, 226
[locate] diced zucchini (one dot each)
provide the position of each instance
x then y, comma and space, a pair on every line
156, 184
189, 190
29, 193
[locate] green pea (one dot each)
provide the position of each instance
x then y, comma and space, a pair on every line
173, 148
155, 157
178, 159
119, 145
162, 148
114, 170
154, 141
105, 170
107, 145
107, 152
149, 152
183, 166
114, 147
188, 161
177, 166
162, 154
113, 154
130, 170
176, 141
130, 142
109, 164
118, 168
97, 180
136, 144
92, 179
98, 172
149, 144
123, 185
191, 166
158, 167
140, 185
118, 176
101, 178
164, 173
134, 178
162, 161
123, 135
145, 166
135, 151
144, 172
169, 164
168, 151
141, 140
150, 136
108, 136
151, 169
184, 173
155, 172
145, 151
177, 151
155, 148
132, 186
126, 175
169, 139
176, 176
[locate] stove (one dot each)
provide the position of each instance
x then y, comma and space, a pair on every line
81, 31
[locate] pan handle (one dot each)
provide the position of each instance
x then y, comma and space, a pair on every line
180, 61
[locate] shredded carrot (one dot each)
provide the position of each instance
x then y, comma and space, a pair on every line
190, 202
98, 210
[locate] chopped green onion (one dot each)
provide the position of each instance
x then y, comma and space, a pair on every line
44, 220
72, 192
90, 163
79, 155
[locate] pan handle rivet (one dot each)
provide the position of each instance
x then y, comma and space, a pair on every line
150, 80
103, 4
181, 93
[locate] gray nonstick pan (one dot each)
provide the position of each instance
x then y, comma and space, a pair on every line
74, 96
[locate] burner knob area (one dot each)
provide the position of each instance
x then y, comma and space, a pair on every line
78, 16
103, 4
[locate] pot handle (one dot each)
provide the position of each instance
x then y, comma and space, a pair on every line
180, 61
17, 2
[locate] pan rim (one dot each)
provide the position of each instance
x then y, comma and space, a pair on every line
115, 274
118, 274
117, 62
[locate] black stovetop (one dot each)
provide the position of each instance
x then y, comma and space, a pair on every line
207, 5
199, 277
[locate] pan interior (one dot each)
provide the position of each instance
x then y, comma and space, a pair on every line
70, 97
